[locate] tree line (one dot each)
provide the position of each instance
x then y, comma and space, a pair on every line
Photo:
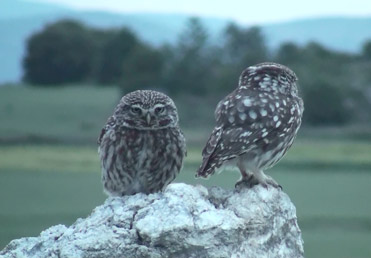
335, 86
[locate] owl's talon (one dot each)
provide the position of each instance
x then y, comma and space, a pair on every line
267, 184
275, 185
239, 184
250, 181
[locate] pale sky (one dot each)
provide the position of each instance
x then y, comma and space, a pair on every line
244, 11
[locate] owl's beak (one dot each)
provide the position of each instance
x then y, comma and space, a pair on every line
148, 118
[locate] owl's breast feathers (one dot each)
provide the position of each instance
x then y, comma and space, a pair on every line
144, 149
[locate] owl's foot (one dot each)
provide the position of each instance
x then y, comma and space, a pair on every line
248, 180
251, 180
270, 181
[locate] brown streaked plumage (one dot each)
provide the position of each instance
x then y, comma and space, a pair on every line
141, 147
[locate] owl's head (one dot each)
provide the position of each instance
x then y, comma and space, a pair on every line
146, 109
271, 77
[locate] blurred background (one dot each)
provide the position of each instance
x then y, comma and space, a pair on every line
65, 64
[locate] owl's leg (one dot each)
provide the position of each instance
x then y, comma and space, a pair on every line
265, 180
247, 178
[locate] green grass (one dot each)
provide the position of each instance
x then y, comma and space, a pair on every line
34, 200
54, 184
345, 156
74, 114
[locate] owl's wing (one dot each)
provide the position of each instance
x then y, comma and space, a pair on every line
208, 151
184, 148
212, 143
111, 122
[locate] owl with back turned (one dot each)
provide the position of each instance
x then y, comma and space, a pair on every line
255, 124
141, 148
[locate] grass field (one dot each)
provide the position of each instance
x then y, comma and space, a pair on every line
49, 170
73, 114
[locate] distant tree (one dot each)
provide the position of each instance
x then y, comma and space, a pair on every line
241, 48
325, 104
326, 82
187, 68
289, 53
244, 46
113, 52
366, 50
194, 38
61, 53
142, 69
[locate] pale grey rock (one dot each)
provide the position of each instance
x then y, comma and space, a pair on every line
183, 221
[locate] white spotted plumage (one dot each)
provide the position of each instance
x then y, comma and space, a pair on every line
255, 129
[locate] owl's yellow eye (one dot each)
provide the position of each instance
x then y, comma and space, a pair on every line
135, 110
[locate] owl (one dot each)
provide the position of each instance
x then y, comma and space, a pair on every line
255, 124
141, 148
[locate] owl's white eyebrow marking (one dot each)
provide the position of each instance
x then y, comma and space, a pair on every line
137, 106
159, 105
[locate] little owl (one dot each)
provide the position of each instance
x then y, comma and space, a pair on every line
141, 147
255, 124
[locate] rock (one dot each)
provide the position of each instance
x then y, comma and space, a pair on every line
183, 221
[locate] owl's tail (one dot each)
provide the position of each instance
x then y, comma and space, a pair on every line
207, 168
210, 163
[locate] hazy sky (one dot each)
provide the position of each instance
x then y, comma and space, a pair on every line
245, 11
